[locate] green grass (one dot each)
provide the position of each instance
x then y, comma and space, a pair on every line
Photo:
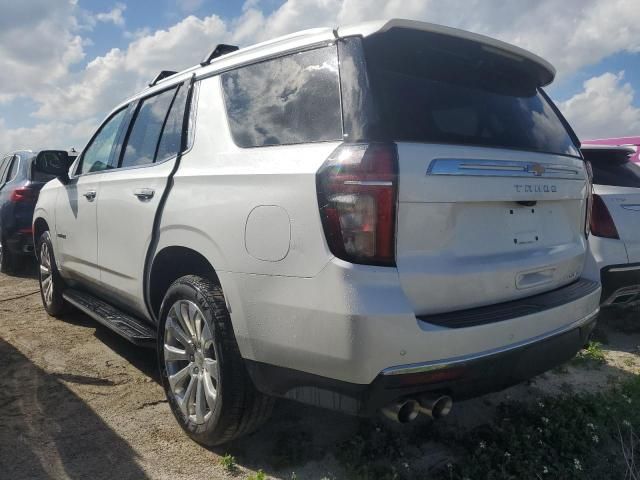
259, 475
228, 462
592, 355
580, 436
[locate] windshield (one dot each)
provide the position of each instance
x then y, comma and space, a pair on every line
434, 88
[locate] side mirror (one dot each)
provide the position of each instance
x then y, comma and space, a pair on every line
54, 162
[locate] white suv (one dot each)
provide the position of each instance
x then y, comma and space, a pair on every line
382, 216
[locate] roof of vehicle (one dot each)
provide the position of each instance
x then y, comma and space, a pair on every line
314, 36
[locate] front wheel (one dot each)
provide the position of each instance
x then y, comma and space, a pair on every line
51, 283
203, 374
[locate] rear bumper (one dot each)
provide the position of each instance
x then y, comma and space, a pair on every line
20, 243
460, 377
620, 284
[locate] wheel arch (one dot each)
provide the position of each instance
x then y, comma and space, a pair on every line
171, 263
40, 225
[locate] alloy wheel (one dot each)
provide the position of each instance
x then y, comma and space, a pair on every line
46, 278
191, 361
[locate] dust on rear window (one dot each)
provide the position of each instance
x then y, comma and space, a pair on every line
439, 89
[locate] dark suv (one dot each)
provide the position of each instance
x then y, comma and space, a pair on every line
20, 184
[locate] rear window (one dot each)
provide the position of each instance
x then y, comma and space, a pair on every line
613, 167
287, 100
433, 88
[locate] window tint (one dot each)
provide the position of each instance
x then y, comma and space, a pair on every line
148, 124
96, 157
13, 169
172, 133
613, 167
292, 99
439, 89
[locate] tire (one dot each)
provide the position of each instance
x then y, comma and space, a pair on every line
204, 377
51, 283
8, 260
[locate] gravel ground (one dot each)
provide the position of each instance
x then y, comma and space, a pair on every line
77, 401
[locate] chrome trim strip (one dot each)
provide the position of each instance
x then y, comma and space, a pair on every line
503, 168
450, 362
634, 207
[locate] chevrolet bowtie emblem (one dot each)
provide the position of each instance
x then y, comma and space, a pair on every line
536, 169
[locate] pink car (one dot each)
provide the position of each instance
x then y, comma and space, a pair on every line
631, 141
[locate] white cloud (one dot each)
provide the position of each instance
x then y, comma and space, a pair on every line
115, 15
55, 135
189, 6
571, 34
37, 45
109, 79
604, 108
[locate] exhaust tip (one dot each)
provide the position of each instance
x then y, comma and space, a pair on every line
436, 407
404, 411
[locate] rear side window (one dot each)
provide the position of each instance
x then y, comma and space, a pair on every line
287, 100
434, 88
613, 167
171, 139
148, 124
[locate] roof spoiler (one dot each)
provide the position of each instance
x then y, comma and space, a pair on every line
220, 50
161, 76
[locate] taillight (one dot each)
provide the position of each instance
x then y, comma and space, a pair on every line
601, 222
357, 192
23, 194
587, 223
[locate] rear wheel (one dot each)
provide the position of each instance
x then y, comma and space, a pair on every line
203, 374
51, 283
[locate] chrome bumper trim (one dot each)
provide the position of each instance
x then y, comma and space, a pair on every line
450, 362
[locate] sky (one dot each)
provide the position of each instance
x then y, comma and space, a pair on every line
64, 64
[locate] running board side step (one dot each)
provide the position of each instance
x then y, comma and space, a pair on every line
131, 328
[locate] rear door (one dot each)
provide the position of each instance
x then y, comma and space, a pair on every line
130, 195
616, 180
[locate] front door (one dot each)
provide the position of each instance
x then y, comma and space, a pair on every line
76, 204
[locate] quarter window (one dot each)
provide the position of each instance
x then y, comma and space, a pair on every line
291, 99
97, 156
144, 140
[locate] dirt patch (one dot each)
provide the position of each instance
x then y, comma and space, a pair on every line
77, 401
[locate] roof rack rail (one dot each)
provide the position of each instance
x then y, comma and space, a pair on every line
220, 50
161, 76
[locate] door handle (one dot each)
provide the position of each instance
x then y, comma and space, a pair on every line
144, 193
90, 195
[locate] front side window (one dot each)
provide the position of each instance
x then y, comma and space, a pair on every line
148, 125
287, 100
98, 154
